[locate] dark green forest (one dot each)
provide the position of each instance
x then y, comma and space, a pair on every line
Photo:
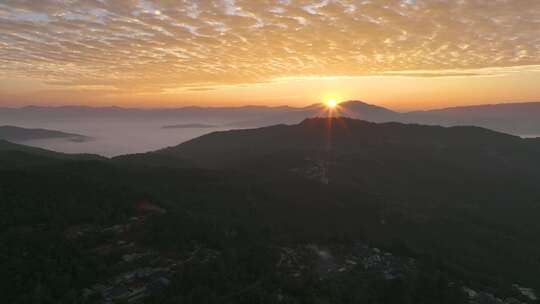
371, 220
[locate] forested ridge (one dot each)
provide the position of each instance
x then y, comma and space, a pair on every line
365, 224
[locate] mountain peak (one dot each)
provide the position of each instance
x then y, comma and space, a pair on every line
338, 134
360, 105
357, 103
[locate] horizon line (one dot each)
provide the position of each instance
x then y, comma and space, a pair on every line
501, 103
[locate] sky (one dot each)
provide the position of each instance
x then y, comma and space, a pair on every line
403, 54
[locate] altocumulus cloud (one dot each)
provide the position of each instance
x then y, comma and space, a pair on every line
155, 45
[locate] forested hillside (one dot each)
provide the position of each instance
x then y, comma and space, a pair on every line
379, 213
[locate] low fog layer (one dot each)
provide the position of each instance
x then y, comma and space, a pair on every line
116, 131
112, 138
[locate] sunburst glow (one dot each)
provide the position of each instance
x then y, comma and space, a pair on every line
331, 103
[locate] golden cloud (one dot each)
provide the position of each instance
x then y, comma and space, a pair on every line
143, 44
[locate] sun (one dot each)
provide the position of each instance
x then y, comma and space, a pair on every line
331, 103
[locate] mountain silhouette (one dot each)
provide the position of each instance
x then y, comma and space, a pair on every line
321, 179
13, 154
354, 109
515, 118
337, 136
17, 134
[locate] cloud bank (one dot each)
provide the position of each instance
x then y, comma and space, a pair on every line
144, 45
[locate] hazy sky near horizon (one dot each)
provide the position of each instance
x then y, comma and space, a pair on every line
403, 54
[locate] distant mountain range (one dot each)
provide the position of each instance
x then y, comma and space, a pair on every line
353, 109
514, 118
18, 134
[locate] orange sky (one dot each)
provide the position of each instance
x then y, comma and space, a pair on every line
403, 54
